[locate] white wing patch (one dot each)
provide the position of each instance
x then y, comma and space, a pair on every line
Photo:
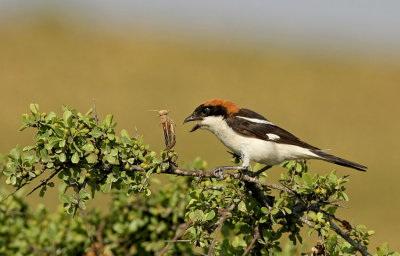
272, 136
255, 120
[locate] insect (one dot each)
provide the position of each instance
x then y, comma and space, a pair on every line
168, 127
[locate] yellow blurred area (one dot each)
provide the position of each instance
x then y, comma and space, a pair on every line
342, 103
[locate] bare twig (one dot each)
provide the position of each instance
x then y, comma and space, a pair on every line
44, 182
255, 237
176, 237
87, 225
15, 191
95, 112
219, 223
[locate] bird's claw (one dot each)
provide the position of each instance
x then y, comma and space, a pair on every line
218, 173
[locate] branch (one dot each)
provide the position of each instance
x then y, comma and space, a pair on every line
176, 237
346, 237
44, 182
220, 222
256, 236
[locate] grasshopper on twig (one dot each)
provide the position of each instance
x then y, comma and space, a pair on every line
168, 127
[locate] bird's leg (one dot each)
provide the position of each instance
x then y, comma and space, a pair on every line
255, 174
217, 172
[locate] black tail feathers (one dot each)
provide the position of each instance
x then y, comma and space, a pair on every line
340, 161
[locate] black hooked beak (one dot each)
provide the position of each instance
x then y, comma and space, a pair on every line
192, 118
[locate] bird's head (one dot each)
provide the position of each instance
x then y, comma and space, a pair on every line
208, 113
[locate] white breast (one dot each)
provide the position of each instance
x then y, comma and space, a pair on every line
261, 151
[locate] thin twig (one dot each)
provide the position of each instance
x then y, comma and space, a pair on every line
44, 182
15, 191
87, 225
253, 241
175, 239
95, 112
220, 222
346, 237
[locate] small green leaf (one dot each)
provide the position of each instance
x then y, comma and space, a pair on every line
125, 133
198, 214
62, 157
91, 159
75, 158
264, 210
307, 180
64, 198
83, 194
96, 132
89, 112
275, 211
242, 207
108, 120
14, 153
28, 148
210, 215
106, 187
88, 147
68, 118
288, 210
34, 108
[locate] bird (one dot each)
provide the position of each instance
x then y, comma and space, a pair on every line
254, 138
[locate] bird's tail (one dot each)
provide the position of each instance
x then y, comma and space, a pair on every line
339, 161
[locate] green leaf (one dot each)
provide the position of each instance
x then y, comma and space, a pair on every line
34, 108
83, 194
242, 207
275, 211
210, 215
125, 133
299, 167
75, 158
14, 153
67, 118
96, 132
288, 210
89, 112
64, 198
88, 147
108, 120
198, 214
28, 148
307, 180
264, 210
110, 158
106, 187
91, 159
62, 157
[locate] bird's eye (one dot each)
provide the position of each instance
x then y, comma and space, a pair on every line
206, 111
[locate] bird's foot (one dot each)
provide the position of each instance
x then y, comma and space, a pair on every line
218, 173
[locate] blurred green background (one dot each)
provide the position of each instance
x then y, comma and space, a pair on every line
338, 100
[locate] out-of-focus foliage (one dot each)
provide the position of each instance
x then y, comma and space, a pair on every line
228, 217
135, 225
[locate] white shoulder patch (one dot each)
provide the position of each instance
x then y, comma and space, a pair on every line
272, 136
255, 120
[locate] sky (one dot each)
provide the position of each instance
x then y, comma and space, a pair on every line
355, 25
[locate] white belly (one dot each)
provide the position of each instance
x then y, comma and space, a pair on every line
260, 151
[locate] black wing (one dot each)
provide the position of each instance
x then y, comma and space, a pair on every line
260, 130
